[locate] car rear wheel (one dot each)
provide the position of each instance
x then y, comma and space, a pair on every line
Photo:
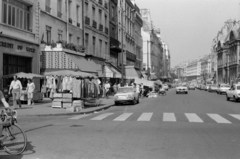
176, 92
116, 103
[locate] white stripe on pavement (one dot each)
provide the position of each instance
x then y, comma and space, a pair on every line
219, 119
169, 117
237, 116
79, 116
123, 117
102, 116
192, 117
145, 117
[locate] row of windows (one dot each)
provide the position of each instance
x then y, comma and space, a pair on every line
16, 14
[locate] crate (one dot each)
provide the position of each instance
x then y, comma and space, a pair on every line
66, 100
66, 105
67, 95
77, 103
57, 99
56, 104
57, 95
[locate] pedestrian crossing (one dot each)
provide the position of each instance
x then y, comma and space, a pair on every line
163, 117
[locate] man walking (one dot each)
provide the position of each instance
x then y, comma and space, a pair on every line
16, 88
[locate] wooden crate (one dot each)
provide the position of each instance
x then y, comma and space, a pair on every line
57, 100
66, 105
67, 100
67, 95
57, 95
56, 104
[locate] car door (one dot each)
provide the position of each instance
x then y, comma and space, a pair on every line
232, 91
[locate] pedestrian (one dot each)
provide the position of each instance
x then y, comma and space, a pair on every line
115, 88
16, 89
30, 90
6, 105
107, 88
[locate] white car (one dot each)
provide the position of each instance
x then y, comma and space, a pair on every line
233, 93
223, 88
165, 86
182, 89
126, 95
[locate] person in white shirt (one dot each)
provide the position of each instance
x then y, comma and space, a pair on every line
30, 90
107, 88
16, 88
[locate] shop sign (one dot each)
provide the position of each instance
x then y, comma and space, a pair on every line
6, 45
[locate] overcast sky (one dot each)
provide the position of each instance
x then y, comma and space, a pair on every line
189, 26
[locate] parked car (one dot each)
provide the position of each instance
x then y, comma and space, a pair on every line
191, 87
126, 95
206, 87
213, 88
182, 89
223, 88
165, 86
233, 93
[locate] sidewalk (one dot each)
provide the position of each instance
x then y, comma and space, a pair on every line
44, 108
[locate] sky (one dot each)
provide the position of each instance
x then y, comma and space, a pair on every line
189, 26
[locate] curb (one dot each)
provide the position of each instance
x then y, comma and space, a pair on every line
77, 113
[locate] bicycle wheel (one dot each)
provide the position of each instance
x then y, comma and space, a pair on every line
16, 141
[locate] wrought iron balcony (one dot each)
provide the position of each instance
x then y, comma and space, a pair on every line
94, 24
100, 27
87, 20
48, 9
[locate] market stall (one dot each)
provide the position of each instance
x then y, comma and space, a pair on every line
23, 77
70, 89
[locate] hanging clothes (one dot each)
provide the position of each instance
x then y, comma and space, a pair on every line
64, 83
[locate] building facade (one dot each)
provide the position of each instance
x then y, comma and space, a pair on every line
193, 70
19, 37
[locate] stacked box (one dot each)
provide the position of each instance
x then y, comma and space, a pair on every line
78, 104
57, 101
67, 100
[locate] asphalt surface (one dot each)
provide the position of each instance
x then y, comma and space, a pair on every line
198, 125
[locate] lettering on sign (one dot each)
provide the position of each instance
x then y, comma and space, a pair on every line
6, 45
19, 47
30, 49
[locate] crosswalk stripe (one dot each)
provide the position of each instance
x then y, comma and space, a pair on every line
102, 116
193, 118
219, 119
237, 116
145, 117
123, 117
169, 117
79, 116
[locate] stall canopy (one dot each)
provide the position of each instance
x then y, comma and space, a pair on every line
70, 73
111, 72
144, 82
24, 75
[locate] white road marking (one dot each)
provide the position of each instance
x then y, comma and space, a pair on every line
145, 117
102, 116
192, 117
79, 116
237, 116
219, 119
123, 117
169, 117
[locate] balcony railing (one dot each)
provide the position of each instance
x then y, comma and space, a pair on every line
100, 2
233, 62
59, 14
87, 20
48, 9
100, 27
106, 30
94, 24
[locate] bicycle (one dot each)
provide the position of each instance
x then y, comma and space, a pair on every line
16, 139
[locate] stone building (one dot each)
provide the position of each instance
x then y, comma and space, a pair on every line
19, 37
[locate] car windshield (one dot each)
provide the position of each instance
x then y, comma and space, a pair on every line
225, 85
125, 90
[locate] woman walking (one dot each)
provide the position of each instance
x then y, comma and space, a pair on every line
30, 90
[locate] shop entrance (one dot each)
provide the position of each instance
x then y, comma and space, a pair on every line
14, 64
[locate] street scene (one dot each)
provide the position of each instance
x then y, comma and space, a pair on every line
119, 79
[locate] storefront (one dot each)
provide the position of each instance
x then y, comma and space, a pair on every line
17, 56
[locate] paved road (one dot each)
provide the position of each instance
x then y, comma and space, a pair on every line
199, 125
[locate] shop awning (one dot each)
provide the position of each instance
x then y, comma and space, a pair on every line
24, 75
69, 73
131, 72
83, 64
